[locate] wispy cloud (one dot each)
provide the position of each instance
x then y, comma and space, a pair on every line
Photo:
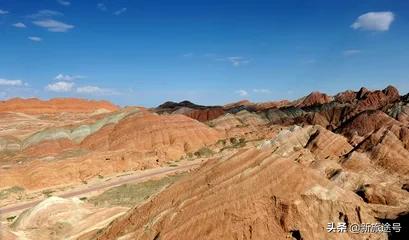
235, 61
60, 86
374, 21
120, 11
35, 39
19, 25
45, 14
11, 83
3, 12
242, 92
53, 25
238, 61
262, 90
67, 78
351, 52
64, 2
102, 7
95, 90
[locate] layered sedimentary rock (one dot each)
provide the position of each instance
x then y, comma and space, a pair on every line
201, 115
315, 98
51, 140
34, 105
58, 218
168, 136
198, 112
291, 167
140, 140
332, 113
366, 123
242, 124
254, 107
260, 193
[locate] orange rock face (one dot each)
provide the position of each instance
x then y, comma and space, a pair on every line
50, 148
140, 140
253, 194
198, 112
256, 106
274, 170
346, 97
205, 114
45, 173
274, 104
78, 216
367, 122
34, 105
315, 98
169, 136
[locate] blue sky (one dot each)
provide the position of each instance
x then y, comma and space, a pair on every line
209, 52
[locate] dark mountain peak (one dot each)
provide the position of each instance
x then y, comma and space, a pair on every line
185, 103
391, 92
362, 92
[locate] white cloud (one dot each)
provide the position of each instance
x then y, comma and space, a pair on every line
67, 78
3, 12
64, 3
95, 90
261, 90
237, 61
11, 83
374, 21
53, 25
60, 86
35, 39
351, 52
120, 11
19, 25
242, 92
45, 14
102, 7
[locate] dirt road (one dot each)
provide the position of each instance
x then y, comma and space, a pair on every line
101, 186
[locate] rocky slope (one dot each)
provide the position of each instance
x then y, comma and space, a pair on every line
45, 136
34, 105
130, 139
276, 170
289, 187
350, 166
198, 112
58, 218
169, 137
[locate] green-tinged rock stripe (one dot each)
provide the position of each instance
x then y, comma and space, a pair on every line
76, 134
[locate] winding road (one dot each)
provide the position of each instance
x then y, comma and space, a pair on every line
101, 186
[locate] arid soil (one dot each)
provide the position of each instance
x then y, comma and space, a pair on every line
274, 170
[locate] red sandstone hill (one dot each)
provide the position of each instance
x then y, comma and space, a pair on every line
261, 106
315, 98
290, 187
198, 112
275, 170
138, 141
169, 136
35, 106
